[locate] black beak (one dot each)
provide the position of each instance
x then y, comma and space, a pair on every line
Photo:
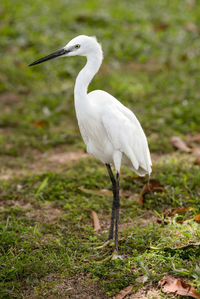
51, 56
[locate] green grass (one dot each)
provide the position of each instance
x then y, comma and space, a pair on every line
152, 65
33, 247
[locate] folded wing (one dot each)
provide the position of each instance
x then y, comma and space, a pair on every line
126, 135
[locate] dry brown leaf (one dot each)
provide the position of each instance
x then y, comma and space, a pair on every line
197, 161
95, 221
123, 293
197, 218
151, 186
171, 214
39, 123
178, 143
178, 211
161, 26
176, 286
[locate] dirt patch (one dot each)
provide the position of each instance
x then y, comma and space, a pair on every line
9, 98
67, 157
55, 160
53, 287
145, 219
13, 203
47, 214
145, 294
42, 162
59, 159
79, 289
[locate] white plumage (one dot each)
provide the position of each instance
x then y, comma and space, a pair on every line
120, 131
110, 130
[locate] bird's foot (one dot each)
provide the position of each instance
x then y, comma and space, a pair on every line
109, 243
116, 256
113, 256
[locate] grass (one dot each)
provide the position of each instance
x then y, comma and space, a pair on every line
151, 64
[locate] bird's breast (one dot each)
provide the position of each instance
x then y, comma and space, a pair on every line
96, 139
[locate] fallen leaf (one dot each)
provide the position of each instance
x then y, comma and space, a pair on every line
161, 26
197, 161
39, 124
178, 211
151, 186
176, 286
123, 293
95, 221
178, 143
164, 219
197, 218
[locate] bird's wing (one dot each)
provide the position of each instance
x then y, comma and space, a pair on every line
126, 135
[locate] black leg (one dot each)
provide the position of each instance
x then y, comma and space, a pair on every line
111, 230
117, 207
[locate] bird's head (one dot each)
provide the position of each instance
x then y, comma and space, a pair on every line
81, 45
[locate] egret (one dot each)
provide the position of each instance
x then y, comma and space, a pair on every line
111, 131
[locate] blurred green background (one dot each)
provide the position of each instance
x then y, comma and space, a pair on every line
151, 64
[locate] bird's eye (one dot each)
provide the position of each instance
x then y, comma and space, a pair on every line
77, 46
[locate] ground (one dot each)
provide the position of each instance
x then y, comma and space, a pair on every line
49, 185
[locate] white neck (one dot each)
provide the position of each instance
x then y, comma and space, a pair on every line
85, 76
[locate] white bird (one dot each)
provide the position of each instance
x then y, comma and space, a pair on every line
110, 130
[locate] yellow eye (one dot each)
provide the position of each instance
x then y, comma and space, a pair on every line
77, 46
